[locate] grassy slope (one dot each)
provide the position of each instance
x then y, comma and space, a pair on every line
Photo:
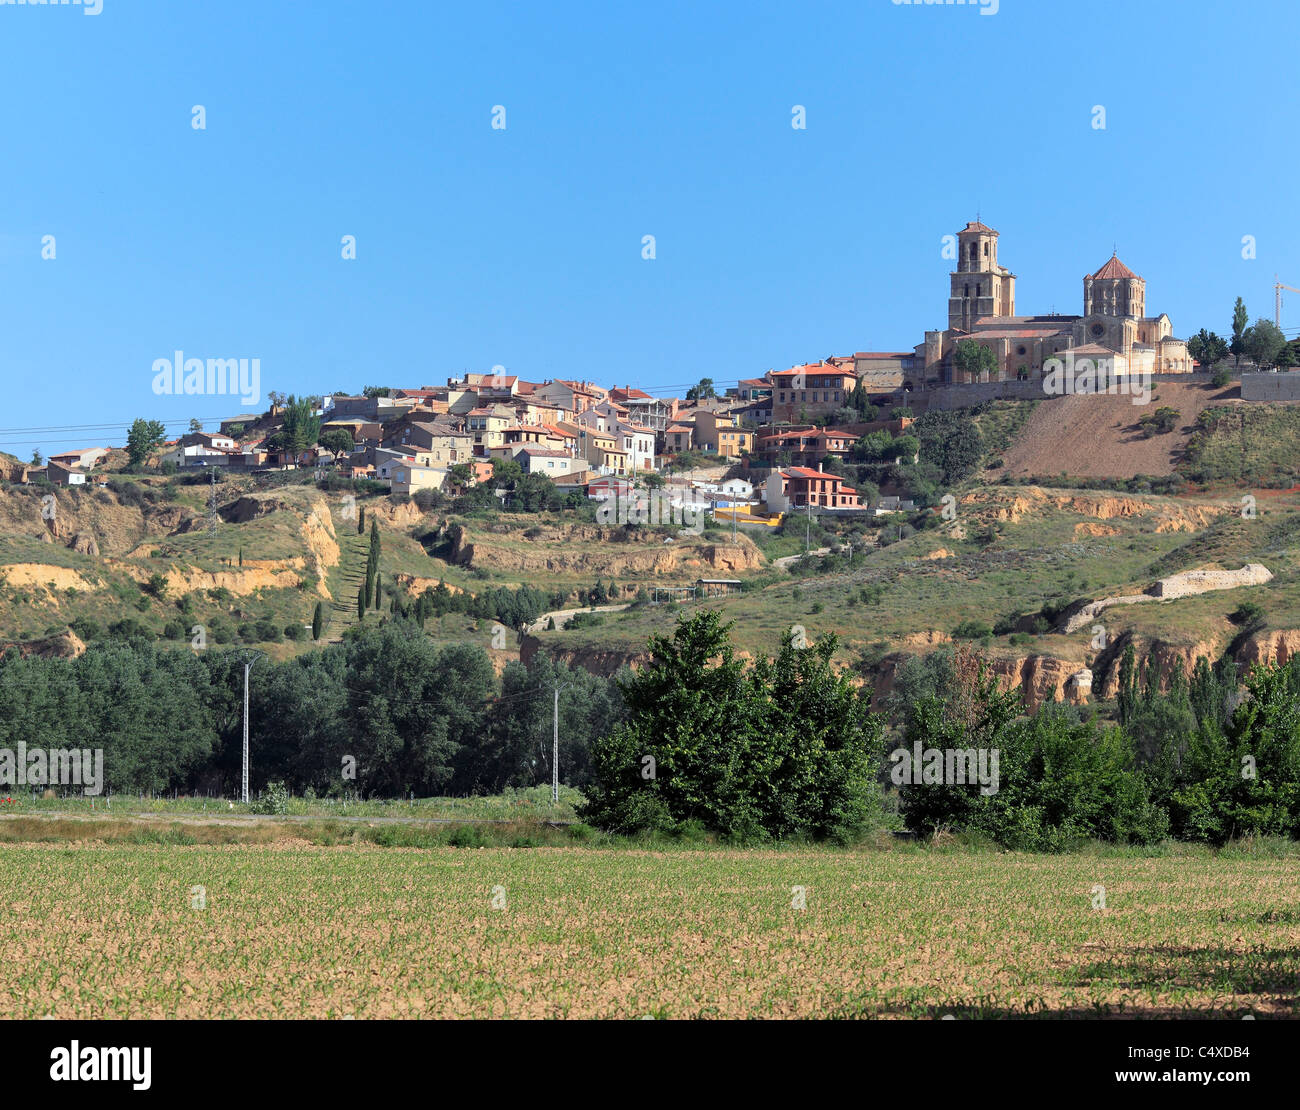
1043, 557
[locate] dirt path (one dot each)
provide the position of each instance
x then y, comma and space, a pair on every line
563, 616
786, 560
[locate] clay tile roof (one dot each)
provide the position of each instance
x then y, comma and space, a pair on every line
977, 226
1114, 269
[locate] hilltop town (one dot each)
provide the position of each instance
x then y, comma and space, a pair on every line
858, 476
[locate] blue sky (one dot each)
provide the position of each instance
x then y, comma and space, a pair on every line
523, 247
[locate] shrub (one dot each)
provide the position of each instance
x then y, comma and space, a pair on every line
86, 628
1248, 615
274, 800
268, 631
1058, 781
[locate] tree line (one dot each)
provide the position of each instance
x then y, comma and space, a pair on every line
415, 717
697, 738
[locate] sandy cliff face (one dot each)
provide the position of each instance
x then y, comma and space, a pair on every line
586, 549
88, 520
45, 575
66, 645
322, 543
1039, 678
1270, 647
1013, 505
596, 660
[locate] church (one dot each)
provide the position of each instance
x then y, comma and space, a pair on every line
982, 308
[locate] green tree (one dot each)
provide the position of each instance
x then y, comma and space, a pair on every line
1207, 348
701, 392
143, 439
1240, 320
506, 474
338, 440
1262, 342
783, 749
1127, 693
1247, 782
318, 621
300, 428
372, 566
411, 707
974, 362
860, 402
951, 440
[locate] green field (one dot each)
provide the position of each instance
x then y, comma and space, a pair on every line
292, 929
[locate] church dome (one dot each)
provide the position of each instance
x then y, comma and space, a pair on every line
1112, 270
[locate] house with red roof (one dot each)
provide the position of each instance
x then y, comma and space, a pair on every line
796, 487
816, 389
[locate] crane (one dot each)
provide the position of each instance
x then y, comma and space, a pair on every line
1277, 299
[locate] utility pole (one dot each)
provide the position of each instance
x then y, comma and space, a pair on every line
248, 666
555, 745
212, 503
807, 534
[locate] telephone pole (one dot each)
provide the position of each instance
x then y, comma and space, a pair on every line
248, 666
212, 503
555, 745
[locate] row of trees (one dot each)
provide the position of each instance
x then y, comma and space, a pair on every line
781, 748
415, 717
1262, 342
787, 747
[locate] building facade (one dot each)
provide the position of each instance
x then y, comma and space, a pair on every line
982, 309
